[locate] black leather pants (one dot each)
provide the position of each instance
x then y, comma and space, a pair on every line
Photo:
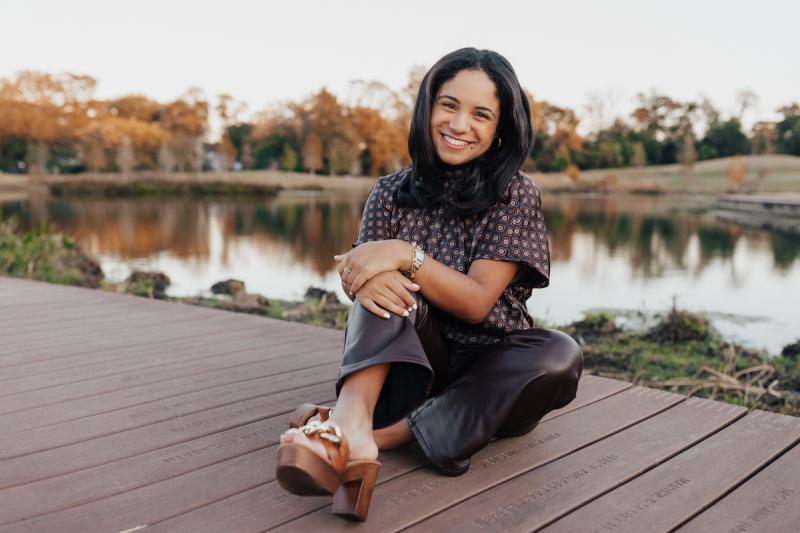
457, 397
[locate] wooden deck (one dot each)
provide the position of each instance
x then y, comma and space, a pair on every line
119, 414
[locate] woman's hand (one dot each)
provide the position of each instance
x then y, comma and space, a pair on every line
366, 260
388, 292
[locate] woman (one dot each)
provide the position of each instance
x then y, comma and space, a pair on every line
439, 346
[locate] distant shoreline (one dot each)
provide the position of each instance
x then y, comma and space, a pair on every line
763, 174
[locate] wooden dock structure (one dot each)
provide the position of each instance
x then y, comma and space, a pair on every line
122, 414
769, 212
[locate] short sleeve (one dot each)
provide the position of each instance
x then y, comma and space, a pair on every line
515, 231
376, 219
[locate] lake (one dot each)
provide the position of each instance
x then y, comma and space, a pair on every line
636, 254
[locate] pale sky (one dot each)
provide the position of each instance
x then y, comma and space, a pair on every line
264, 52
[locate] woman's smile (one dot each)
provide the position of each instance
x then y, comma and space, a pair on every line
454, 143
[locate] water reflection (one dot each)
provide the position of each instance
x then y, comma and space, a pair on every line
656, 233
629, 252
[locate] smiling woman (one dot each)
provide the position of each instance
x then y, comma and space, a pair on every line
439, 345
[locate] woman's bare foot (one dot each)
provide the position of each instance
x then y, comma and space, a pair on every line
358, 434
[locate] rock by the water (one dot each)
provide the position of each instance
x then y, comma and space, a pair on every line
148, 284
91, 275
791, 350
248, 303
318, 294
231, 287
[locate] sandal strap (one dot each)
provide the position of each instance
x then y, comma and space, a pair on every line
306, 411
330, 435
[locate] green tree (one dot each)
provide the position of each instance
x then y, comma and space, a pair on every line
724, 139
288, 158
788, 130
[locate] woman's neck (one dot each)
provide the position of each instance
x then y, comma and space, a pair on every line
452, 171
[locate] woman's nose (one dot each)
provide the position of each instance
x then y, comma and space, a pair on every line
458, 122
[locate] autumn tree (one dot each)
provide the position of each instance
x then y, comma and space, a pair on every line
312, 153
186, 120
688, 154
166, 161
639, 158
96, 158
763, 138
562, 142
43, 109
226, 152
737, 171
125, 156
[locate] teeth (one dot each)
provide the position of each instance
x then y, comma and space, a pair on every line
455, 142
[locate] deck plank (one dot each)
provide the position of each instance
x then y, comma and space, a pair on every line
121, 445
140, 357
143, 470
242, 352
240, 367
769, 501
669, 494
126, 418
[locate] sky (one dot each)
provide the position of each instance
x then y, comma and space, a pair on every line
563, 51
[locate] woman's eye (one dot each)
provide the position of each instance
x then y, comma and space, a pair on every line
482, 115
449, 105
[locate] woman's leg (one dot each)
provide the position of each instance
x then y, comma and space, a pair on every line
384, 374
553, 391
395, 436
353, 413
505, 390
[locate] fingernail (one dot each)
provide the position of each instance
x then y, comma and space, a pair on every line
415, 285
386, 315
410, 308
414, 306
405, 313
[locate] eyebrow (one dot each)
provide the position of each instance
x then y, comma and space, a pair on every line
459, 101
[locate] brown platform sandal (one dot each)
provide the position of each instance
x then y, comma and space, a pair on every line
301, 471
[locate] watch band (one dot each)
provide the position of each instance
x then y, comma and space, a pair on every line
417, 259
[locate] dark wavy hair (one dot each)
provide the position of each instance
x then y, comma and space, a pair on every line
484, 180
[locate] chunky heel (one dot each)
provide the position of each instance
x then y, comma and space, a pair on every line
301, 471
353, 496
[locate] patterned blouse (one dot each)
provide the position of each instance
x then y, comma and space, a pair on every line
510, 231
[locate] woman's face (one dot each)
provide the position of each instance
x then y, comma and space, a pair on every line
464, 117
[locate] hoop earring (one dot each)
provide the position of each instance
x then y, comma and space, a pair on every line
499, 142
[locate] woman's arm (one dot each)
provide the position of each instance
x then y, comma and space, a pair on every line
466, 296
469, 296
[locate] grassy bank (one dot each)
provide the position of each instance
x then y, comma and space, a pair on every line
259, 183
135, 189
760, 173
46, 256
681, 353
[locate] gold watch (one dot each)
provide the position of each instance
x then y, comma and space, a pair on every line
417, 259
